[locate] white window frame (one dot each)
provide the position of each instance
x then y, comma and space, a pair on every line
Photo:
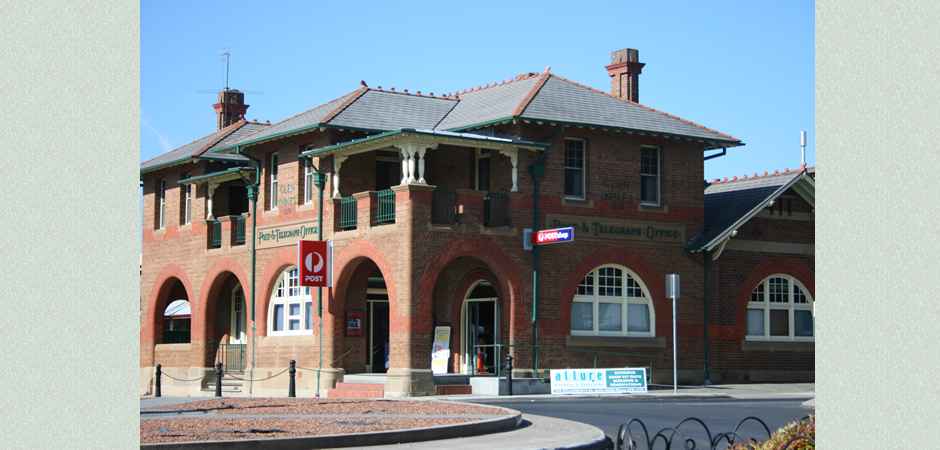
187, 202
658, 175
625, 299
583, 169
161, 204
766, 306
287, 291
272, 181
308, 181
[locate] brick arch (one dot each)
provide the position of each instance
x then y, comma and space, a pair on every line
766, 267
636, 264
460, 293
282, 259
156, 302
485, 250
209, 291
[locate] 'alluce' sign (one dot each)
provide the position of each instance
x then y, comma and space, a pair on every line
553, 236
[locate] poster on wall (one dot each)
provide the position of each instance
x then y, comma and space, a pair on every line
440, 350
624, 380
354, 320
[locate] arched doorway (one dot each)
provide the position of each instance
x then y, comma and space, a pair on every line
226, 327
171, 314
479, 330
361, 343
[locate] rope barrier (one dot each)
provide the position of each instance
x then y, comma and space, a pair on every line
182, 380
257, 379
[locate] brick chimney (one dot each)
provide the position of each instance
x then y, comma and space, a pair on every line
624, 71
230, 108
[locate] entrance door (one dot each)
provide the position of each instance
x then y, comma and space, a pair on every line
378, 336
480, 331
233, 353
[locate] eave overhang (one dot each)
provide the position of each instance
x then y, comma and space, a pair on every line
427, 137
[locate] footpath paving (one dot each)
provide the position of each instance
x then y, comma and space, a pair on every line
537, 432
767, 391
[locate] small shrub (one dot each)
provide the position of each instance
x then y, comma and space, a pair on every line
793, 436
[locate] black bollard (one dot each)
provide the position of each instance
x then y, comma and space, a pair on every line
156, 391
218, 379
509, 372
291, 388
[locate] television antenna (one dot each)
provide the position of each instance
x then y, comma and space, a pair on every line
226, 57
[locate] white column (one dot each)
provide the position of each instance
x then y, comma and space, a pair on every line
421, 151
404, 165
513, 155
412, 154
337, 164
212, 187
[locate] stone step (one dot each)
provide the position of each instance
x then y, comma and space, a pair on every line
453, 389
357, 390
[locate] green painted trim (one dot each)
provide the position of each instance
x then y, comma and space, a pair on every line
289, 133
406, 131
207, 176
175, 162
715, 143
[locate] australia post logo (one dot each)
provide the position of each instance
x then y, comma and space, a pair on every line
315, 263
554, 235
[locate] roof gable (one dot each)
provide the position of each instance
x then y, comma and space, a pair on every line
207, 143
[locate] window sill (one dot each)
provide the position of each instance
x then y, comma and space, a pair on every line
582, 202
615, 341
649, 207
778, 346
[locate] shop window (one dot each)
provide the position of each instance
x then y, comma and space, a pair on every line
289, 312
612, 301
176, 322
650, 176
574, 169
780, 309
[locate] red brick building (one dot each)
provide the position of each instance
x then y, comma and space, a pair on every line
426, 199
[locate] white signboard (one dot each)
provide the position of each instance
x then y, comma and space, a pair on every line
598, 381
440, 351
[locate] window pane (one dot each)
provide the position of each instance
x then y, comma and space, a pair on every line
483, 174
610, 282
803, 323
638, 317
278, 317
779, 288
574, 154
755, 322
573, 182
757, 295
295, 309
308, 315
633, 288
582, 316
649, 161
609, 318
295, 324
798, 295
587, 285
779, 322
648, 189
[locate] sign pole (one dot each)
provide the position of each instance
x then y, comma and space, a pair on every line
672, 291
320, 181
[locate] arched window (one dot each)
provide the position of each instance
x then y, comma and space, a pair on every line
612, 301
176, 318
780, 309
290, 311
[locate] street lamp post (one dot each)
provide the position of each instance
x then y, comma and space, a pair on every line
320, 180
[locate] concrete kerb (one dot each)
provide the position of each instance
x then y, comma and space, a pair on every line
507, 422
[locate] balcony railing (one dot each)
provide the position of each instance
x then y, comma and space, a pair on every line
384, 202
496, 209
347, 213
215, 233
238, 230
443, 207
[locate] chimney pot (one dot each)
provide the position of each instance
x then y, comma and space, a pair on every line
624, 70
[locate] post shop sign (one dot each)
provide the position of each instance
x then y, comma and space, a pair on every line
553, 236
315, 263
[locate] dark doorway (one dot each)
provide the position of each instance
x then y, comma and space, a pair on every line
378, 336
237, 200
481, 336
387, 170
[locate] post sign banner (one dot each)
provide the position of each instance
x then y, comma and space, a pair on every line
625, 380
315, 262
440, 351
553, 236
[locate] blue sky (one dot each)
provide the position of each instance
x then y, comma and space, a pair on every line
744, 68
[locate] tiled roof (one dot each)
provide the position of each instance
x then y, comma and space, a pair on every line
536, 96
211, 142
729, 201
